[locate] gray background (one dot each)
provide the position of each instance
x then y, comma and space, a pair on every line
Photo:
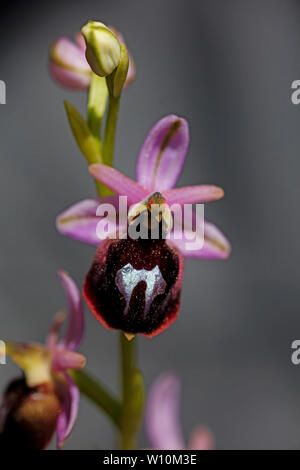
227, 66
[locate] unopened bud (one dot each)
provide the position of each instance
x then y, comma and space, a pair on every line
102, 48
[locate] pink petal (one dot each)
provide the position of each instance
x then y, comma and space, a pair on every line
118, 183
162, 154
53, 334
79, 39
64, 359
201, 439
80, 220
131, 69
75, 327
69, 54
131, 72
162, 414
216, 245
69, 78
68, 64
193, 194
69, 398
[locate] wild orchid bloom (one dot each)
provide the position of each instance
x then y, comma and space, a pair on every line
47, 398
68, 64
162, 418
135, 285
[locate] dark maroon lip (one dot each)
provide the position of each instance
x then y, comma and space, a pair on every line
135, 285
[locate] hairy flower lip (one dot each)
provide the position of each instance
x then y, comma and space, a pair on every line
171, 308
102, 48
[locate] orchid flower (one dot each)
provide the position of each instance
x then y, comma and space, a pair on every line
47, 389
162, 418
159, 165
68, 64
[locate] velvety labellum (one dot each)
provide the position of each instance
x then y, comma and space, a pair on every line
134, 285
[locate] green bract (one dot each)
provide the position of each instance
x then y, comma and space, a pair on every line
83, 136
117, 79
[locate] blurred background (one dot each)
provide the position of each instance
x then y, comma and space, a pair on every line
227, 66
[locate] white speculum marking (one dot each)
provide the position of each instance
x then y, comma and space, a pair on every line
127, 278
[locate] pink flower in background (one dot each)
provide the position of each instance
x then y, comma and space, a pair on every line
69, 67
46, 378
162, 418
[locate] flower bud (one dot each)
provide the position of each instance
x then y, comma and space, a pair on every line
102, 48
28, 416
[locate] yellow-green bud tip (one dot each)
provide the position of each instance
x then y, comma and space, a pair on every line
102, 48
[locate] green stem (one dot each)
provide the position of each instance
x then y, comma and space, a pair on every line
127, 414
110, 130
98, 394
97, 100
128, 358
128, 352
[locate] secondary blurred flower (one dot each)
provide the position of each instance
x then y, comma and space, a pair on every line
122, 269
47, 398
68, 64
162, 418
102, 48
